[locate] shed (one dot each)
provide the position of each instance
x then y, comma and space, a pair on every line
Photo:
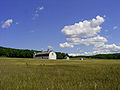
67, 58
81, 59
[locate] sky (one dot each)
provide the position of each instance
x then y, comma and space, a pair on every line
76, 27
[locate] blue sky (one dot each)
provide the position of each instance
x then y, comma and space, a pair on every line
36, 24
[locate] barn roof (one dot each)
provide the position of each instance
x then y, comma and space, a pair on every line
43, 53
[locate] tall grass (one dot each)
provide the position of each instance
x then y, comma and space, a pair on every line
33, 74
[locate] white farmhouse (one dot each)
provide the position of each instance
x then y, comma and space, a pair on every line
45, 55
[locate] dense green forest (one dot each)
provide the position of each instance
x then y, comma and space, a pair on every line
100, 56
107, 56
23, 53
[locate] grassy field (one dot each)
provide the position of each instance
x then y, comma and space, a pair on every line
34, 74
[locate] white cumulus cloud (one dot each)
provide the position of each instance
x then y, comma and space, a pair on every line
84, 29
75, 54
87, 33
7, 23
105, 49
96, 41
112, 48
66, 45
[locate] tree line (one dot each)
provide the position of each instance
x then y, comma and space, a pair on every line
100, 56
23, 53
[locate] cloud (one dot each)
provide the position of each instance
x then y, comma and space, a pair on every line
17, 23
80, 50
96, 41
104, 16
41, 8
66, 45
112, 48
105, 49
106, 30
32, 31
84, 29
37, 12
50, 47
7, 23
75, 54
87, 33
115, 27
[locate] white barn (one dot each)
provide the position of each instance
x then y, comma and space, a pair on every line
45, 55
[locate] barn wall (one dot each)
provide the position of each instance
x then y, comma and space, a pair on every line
52, 55
42, 57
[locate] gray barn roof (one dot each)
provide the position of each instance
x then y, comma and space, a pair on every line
43, 53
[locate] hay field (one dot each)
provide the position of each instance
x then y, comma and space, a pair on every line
35, 74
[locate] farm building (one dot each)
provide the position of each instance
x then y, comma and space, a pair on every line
81, 59
67, 58
45, 55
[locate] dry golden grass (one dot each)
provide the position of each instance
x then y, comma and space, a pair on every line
35, 74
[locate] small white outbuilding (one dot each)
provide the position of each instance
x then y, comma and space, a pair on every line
81, 59
67, 58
